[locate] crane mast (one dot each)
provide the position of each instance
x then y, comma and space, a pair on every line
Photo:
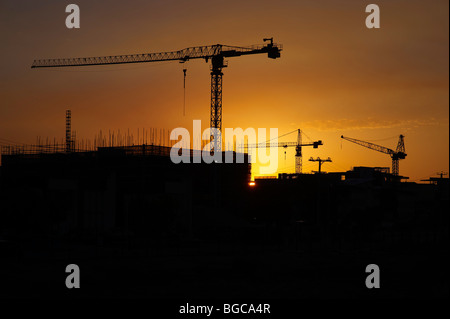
320, 161
298, 153
214, 53
396, 155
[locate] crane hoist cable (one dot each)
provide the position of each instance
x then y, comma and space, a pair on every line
278, 137
184, 92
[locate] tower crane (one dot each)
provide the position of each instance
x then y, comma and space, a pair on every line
214, 53
396, 155
298, 148
320, 161
442, 174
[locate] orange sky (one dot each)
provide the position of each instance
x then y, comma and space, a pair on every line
334, 77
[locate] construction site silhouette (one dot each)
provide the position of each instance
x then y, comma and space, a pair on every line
139, 225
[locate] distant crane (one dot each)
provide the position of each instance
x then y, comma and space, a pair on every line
396, 155
298, 148
321, 161
442, 174
216, 53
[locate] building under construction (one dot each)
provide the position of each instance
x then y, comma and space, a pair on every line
138, 190
129, 190
156, 226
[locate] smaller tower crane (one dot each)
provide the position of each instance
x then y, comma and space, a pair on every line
298, 148
442, 174
321, 161
396, 155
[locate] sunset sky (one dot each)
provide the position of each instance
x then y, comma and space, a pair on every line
335, 77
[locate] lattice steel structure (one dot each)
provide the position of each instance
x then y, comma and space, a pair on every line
396, 155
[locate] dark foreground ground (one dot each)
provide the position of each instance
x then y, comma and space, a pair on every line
194, 270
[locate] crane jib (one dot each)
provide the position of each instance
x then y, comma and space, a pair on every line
203, 52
